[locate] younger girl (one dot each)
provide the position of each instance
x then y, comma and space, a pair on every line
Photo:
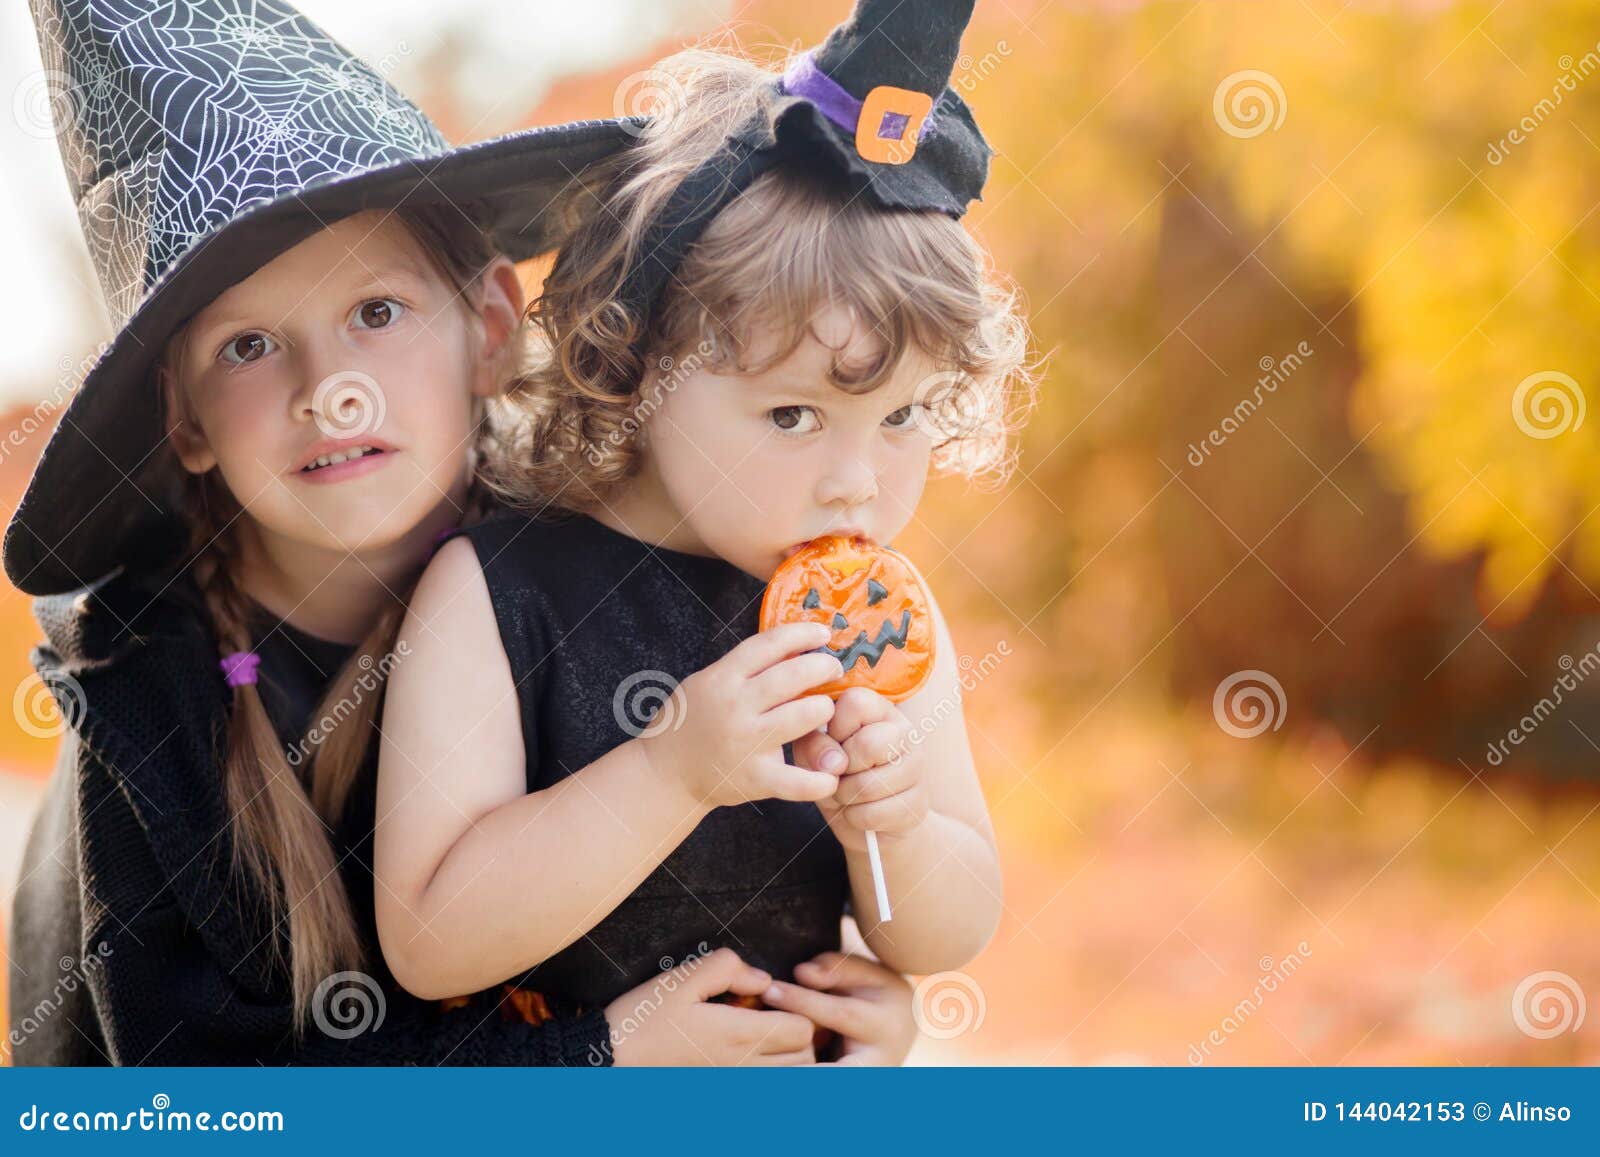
786, 384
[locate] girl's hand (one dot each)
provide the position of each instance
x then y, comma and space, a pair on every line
868, 1005
881, 784
723, 730
668, 1020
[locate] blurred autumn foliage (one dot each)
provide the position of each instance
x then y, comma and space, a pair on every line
1318, 284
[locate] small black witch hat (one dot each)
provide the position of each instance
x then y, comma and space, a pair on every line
873, 103
201, 139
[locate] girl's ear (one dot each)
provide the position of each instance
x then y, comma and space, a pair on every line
185, 435
500, 311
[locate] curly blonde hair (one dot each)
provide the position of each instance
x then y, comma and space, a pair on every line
564, 433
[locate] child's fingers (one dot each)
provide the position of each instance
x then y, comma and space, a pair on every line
843, 1014
857, 707
805, 1056
875, 783
819, 751
829, 970
876, 743
897, 813
791, 721
723, 971
780, 780
776, 1031
765, 648
792, 678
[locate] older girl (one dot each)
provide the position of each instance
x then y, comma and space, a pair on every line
312, 361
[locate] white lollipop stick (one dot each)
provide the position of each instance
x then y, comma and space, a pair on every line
878, 886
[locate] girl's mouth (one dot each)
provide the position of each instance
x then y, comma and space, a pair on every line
344, 464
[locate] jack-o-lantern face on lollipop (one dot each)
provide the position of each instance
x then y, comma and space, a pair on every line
874, 601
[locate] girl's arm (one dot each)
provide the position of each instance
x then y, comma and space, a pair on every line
478, 880
938, 847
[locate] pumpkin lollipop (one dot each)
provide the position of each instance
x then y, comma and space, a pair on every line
878, 608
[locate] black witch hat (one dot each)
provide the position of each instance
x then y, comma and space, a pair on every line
873, 103
201, 139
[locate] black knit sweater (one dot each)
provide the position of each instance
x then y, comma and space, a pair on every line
133, 939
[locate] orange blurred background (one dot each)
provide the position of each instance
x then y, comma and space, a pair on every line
1302, 529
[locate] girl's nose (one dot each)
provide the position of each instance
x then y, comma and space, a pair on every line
851, 481
335, 392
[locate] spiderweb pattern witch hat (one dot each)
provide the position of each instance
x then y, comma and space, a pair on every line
201, 139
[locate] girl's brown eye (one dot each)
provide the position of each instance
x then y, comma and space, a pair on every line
378, 313
247, 347
790, 419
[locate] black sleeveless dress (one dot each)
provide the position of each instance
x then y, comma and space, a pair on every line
595, 623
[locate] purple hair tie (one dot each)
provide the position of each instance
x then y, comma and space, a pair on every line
438, 539
240, 667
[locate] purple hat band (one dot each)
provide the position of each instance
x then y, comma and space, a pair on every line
834, 101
